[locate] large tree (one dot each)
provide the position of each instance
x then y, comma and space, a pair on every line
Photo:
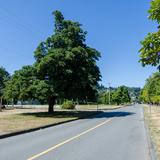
150, 50
67, 64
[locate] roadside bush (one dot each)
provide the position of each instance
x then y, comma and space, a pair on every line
68, 105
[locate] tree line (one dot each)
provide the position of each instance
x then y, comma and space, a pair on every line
116, 96
151, 91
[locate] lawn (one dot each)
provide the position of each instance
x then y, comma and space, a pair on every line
36, 116
152, 118
23, 121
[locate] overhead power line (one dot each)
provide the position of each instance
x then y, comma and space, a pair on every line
21, 24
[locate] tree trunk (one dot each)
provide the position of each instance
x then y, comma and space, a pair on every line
51, 103
1, 104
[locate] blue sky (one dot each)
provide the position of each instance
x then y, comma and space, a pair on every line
115, 28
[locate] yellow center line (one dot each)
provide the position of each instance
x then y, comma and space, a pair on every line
68, 140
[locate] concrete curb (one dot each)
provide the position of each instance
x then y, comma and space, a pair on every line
152, 150
45, 126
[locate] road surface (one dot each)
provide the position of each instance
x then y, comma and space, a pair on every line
112, 135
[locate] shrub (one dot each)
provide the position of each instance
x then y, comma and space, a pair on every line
68, 105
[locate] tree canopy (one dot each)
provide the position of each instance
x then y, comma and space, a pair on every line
150, 50
66, 63
155, 11
24, 85
151, 91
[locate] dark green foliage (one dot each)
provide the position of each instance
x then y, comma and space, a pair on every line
101, 88
68, 105
66, 63
150, 50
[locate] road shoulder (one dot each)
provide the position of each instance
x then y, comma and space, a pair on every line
151, 144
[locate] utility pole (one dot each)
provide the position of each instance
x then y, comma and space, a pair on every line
109, 93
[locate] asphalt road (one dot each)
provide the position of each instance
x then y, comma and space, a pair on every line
112, 135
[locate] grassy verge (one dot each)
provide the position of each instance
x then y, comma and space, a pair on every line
23, 121
16, 120
152, 117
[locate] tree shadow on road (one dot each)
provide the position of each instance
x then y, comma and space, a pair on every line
62, 114
80, 114
112, 114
